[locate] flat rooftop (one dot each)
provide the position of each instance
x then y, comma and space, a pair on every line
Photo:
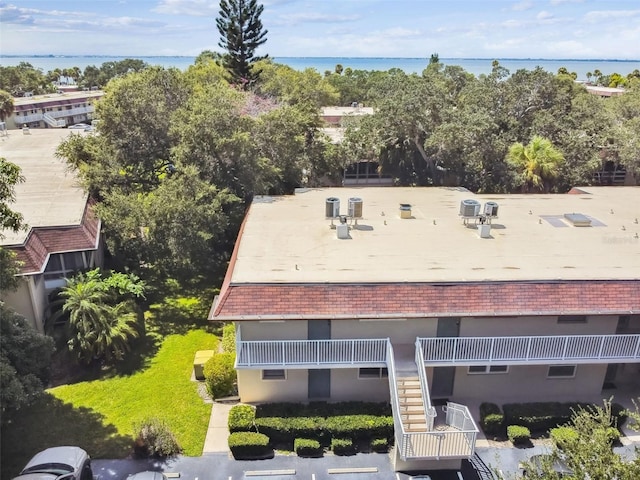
288, 239
20, 102
50, 195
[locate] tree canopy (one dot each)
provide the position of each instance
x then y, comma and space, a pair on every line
241, 33
25, 357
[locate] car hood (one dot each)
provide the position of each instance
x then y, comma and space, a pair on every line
36, 476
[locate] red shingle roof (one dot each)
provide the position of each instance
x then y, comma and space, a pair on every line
46, 240
252, 301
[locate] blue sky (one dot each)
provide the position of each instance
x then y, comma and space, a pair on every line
580, 29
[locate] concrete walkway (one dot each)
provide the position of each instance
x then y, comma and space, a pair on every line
217, 437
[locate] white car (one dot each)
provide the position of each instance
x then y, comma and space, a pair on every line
58, 463
81, 126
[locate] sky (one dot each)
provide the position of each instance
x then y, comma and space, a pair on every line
553, 29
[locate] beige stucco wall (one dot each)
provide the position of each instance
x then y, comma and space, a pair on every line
345, 385
252, 389
521, 326
20, 301
529, 383
278, 330
398, 331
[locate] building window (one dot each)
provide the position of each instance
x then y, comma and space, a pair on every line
572, 319
561, 371
373, 373
482, 369
274, 375
63, 265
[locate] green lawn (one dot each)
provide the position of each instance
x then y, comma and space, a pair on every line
99, 415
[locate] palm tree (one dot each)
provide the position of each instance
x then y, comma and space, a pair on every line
538, 164
98, 328
6, 105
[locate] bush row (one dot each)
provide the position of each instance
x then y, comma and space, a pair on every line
322, 409
307, 447
537, 416
283, 431
249, 445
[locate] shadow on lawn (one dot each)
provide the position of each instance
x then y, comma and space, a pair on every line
49, 422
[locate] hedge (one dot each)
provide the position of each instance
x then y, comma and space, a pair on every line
306, 447
380, 445
543, 416
249, 446
518, 434
563, 436
241, 418
220, 375
359, 427
323, 409
342, 446
284, 431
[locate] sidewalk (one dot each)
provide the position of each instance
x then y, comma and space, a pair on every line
217, 437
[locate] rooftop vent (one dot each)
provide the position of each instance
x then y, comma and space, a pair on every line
405, 210
578, 219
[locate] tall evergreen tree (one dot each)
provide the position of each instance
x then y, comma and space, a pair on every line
241, 32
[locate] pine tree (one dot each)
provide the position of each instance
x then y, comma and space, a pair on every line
241, 32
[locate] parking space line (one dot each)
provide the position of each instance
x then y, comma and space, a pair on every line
332, 471
267, 473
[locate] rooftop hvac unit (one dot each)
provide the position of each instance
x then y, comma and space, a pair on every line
491, 209
332, 207
355, 207
469, 208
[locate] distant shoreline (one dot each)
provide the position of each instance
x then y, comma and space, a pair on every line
476, 66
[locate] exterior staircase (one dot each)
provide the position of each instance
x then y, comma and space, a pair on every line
411, 404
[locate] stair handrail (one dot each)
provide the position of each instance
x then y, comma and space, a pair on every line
429, 410
400, 433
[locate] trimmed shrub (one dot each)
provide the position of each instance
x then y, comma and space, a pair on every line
283, 431
229, 338
360, 427
322, 409
342, 446
241, 418
518, 434
306, 447
540, 416
563, 436
220, 375
380, 445
491, 419
249, 446
155, 439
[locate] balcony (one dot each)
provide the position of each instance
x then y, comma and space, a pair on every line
311, 353
533, 350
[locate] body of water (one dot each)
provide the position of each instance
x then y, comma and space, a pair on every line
477, 66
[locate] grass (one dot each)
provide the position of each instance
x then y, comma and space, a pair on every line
99, 415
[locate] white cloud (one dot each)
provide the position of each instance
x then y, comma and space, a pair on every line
314, 17
560, 2
522, 6
195, 8
597, 16
544, 16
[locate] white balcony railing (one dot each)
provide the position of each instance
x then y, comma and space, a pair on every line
311, 353
532, 350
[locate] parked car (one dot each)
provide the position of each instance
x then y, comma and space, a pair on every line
557, 465
81, 126
147, 475
58, 463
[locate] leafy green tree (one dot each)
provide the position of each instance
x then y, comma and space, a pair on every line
25, 357
23, 78
6, 105
537, 163
241, 33
589, 454
9, 177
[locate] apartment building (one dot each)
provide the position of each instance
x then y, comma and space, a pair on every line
55, 110
431, 297
63, 233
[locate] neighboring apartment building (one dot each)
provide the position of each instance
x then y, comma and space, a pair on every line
55, 110
63, 234
435, 296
